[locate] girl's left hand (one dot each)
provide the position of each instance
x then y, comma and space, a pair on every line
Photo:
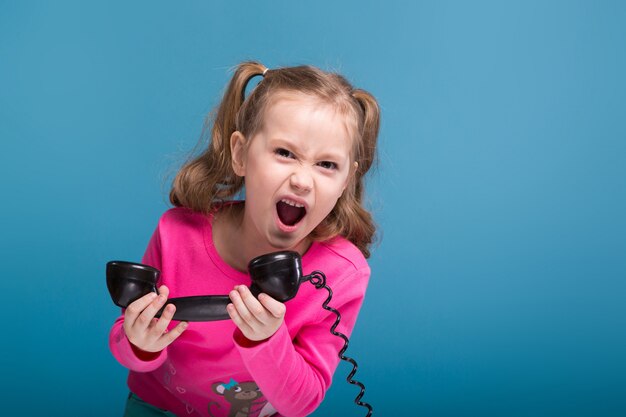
257, 319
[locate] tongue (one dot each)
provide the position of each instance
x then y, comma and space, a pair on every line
289, 215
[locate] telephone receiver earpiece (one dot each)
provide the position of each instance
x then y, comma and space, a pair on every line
277, 274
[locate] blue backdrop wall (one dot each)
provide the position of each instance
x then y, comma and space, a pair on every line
498, 283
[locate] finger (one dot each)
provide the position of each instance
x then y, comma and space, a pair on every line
236, 318
135, 308
138, 306
275, 307
160, 326
242, 309
164, 290
252, 304
172, 335
146, 316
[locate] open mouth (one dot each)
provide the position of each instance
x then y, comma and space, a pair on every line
289, 212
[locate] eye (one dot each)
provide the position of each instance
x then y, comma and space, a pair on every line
328, 165
282, 152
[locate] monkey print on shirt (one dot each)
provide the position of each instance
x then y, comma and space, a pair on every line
245, 399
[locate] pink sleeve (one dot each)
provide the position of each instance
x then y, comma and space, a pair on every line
118, 342
294, 372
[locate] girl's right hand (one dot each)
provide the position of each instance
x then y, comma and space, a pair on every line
145, 331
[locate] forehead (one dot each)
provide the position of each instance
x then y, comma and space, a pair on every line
290, 112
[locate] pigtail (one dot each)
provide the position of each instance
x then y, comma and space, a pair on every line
370, 125
209, 177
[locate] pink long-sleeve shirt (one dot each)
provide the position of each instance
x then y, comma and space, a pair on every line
209, 370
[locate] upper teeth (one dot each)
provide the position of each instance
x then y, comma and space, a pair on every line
291, 203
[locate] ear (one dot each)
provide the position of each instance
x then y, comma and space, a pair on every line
238, 147
219, 388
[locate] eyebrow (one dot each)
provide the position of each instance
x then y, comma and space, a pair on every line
325, 155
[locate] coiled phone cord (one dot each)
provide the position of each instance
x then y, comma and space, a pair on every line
318, 279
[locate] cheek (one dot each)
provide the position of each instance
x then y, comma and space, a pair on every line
332, 191
338, 185
263, 179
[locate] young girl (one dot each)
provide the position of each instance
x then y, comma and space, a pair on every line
300, 145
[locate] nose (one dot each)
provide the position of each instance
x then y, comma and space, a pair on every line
301, 180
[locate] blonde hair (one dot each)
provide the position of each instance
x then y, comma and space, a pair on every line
209, 178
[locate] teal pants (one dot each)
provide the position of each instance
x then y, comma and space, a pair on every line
136, 407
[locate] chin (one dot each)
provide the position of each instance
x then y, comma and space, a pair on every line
281, 242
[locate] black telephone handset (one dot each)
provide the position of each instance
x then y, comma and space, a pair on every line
278, 274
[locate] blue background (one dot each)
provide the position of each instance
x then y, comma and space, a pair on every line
498, 284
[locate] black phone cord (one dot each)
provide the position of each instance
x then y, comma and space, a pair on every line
318, 279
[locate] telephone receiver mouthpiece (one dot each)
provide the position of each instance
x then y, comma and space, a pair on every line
277, 274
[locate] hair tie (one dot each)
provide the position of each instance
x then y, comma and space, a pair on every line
245, 83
